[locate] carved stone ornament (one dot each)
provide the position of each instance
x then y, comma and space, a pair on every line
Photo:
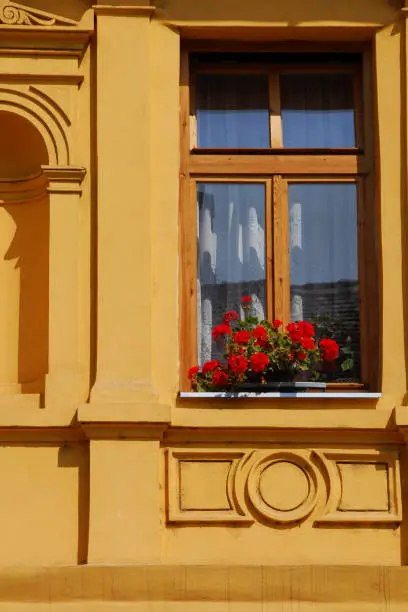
12, 14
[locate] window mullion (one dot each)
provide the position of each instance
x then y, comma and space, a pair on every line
269, 249
281, 249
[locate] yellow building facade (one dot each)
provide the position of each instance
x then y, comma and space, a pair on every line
118, 492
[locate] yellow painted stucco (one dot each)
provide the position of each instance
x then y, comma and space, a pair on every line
115, 493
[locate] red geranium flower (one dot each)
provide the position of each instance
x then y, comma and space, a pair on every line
259, 332
302, 355
259, 361
220, 378
237, 363
193, 371
307, 343
329, 349
277, 323
294, 331
231, 315
246, 299
242, 337
210, 366
307, 329
221, 330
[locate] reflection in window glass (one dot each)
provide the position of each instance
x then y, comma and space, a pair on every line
317, 110
230, 254
232, 111
324, 266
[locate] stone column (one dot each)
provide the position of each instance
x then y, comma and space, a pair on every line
67, 382
124, 362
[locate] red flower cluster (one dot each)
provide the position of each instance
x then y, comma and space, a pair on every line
221, 330
193, 372
329, 349
237, 363
299, 330
256, 350
210, 366
220, 378
229, 316
242, 337
259, 361
259, 332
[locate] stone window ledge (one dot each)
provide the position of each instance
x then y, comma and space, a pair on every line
301, 395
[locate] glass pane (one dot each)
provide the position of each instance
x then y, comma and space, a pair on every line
317, 110
231, 255
324, 267
232, 111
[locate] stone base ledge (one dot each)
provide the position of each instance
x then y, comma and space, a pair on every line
324, 588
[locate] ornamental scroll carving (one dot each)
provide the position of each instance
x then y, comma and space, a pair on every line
285, 487
12, 14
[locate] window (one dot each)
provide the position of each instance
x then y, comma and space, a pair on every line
277, 199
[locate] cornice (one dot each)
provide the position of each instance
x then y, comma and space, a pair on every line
122, 10
27, 29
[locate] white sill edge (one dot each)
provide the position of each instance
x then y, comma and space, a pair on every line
321, 395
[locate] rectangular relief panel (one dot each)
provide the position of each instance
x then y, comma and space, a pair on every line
281, 486
366, 487
200, 487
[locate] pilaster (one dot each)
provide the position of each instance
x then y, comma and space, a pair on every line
124, 359
67, 382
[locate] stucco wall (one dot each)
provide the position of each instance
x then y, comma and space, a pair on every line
100, 462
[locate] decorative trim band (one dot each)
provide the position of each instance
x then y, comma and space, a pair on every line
27, 189
123, 11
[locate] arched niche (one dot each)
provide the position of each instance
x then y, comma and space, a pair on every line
24, 256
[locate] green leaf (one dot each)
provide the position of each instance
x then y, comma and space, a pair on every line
347, 364
347, 350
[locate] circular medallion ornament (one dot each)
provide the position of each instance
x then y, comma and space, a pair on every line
283, 487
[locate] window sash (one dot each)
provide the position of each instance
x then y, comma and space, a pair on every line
273, 72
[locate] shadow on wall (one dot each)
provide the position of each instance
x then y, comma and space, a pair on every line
29, 251
24, 261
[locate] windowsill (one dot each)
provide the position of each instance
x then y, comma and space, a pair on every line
303, 395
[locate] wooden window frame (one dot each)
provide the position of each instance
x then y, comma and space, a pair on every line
276, 168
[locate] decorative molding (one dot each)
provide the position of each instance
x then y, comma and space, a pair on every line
269, 494
280, 486
64, 179
41, 94
21, 191
44, 118
123, 11
190, 475
364, 488
13, 14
